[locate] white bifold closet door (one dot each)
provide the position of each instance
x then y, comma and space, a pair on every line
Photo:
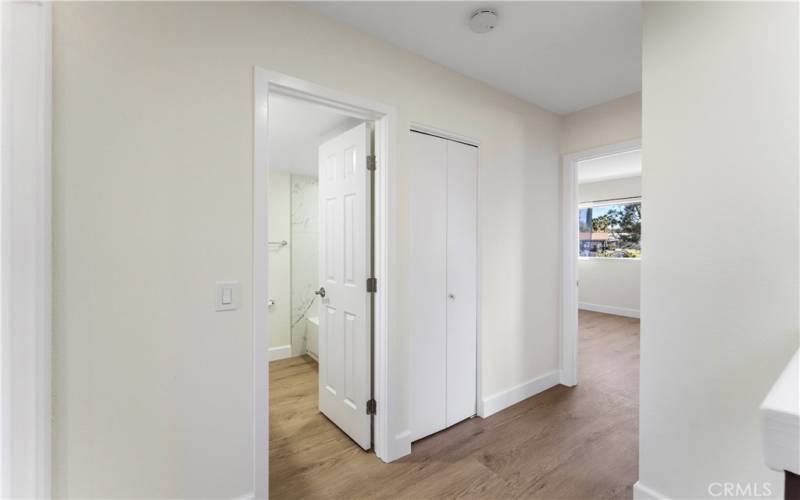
443, 282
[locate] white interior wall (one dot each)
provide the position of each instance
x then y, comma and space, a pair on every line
152, 205
720, 314
613, 122
279, 270
609, 285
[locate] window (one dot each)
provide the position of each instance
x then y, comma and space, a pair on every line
610, 229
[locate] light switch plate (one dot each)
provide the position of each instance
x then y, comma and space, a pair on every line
227, 295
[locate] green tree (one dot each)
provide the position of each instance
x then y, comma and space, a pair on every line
627, 225
603, 222
624, 222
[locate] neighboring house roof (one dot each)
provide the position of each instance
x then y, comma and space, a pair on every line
601, 236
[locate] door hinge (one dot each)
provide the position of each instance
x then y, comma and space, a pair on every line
372, 285
371, 162
372, 407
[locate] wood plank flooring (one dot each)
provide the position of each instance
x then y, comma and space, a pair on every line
573, 443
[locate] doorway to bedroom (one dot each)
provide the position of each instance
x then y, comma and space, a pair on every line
609, 252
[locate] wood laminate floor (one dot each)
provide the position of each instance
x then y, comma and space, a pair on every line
574, 443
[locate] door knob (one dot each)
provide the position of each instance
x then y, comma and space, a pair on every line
451, 296
320, 292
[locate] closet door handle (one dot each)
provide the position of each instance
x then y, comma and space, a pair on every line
451, 296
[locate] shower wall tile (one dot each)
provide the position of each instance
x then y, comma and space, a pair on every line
305, 248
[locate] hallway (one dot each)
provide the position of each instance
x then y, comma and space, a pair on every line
563, 443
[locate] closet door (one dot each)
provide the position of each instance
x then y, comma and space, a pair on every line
427, 278
462, 266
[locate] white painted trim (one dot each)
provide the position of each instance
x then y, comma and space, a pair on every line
280, 352
630, 200
444, 134
617, 311
615, 259
386, 388
399, 446
385, 146
612, 177
502, 400
479, 295
642, 492
260, 294
246, 496
569, 260
26, 249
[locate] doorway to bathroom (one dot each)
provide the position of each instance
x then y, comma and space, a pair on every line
324, 256
299, 129
318, 245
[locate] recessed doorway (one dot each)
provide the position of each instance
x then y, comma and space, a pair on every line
321, 222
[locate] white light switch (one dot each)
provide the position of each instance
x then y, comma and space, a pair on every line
227, 295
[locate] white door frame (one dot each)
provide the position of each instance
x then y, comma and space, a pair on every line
264, 83
26, 263
569, 238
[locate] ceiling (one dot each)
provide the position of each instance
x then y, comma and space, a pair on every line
616, 166
296, 129
562, 56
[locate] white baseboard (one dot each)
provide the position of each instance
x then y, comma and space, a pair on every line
502, 400
617, 311
642, 492
280, 352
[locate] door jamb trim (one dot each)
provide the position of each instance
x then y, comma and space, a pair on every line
385, 119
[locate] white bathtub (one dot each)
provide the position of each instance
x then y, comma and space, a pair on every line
312, 337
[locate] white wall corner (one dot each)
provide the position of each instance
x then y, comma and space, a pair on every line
617, 311
642, 492
502, 400
280, 352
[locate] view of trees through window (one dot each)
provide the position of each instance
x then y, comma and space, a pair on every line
612, 230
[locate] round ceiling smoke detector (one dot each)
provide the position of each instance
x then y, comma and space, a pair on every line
483, 20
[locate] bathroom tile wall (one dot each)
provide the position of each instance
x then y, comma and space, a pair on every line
304, 248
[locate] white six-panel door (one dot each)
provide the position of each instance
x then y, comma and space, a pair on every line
442, 282
344, 337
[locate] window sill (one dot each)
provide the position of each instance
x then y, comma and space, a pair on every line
637, 259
